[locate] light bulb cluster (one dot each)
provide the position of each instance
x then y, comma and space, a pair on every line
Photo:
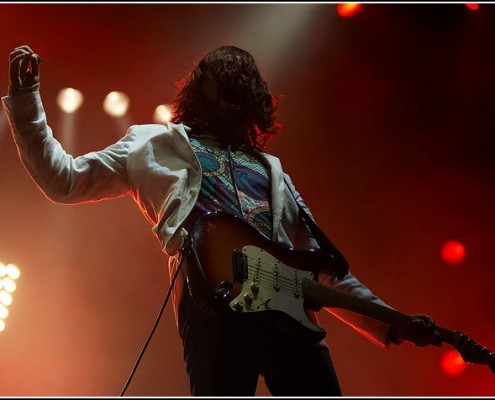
115, 104
8, 276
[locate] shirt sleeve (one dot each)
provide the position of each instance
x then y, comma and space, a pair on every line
23, 90
61, 177
303, 236
372, 329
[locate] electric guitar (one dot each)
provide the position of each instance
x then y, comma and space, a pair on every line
233, 268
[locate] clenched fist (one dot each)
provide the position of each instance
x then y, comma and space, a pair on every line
24, 68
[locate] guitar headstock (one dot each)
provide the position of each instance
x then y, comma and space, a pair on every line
473, 352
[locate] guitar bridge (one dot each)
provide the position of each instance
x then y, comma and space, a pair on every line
239, 266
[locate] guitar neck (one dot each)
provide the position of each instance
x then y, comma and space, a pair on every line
328, 296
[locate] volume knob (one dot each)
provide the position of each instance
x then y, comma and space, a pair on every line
255, 288
248, 298
238, 305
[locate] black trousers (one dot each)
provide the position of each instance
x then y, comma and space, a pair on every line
224, 356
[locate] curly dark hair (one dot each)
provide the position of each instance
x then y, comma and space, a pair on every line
241, 111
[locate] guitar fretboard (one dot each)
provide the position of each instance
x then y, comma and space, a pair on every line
330, 297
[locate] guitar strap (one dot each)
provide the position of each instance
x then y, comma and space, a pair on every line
339, 263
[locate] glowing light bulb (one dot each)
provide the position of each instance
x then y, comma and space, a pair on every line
5, 298
163, 114
347, 9
116, 104
69, 100
9, 285
452, 363
13, 271
453, 252
4, 312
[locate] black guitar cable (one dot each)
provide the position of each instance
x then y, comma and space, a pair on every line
155, 325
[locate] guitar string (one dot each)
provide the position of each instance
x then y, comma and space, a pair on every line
267, 277
284, 282
266, 282
268, 264
255, 270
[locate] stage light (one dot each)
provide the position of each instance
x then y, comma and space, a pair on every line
9, 270
5, 298
12, 271
9, 285
69, 100
452, 363
453, 252
347, 9
116, 104
4, 312
163, 114
472, 6
8, 275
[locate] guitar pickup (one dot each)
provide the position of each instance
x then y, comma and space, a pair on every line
239, 266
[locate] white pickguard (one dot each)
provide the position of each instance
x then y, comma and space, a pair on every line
272, 285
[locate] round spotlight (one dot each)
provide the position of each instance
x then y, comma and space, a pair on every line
116, 104
5, 298
163, 114
9, 285
13, 271
69, 100
2, 325
4, 312
453, 252
452, 363
347, 9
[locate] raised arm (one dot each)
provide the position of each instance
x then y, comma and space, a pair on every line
62, 178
